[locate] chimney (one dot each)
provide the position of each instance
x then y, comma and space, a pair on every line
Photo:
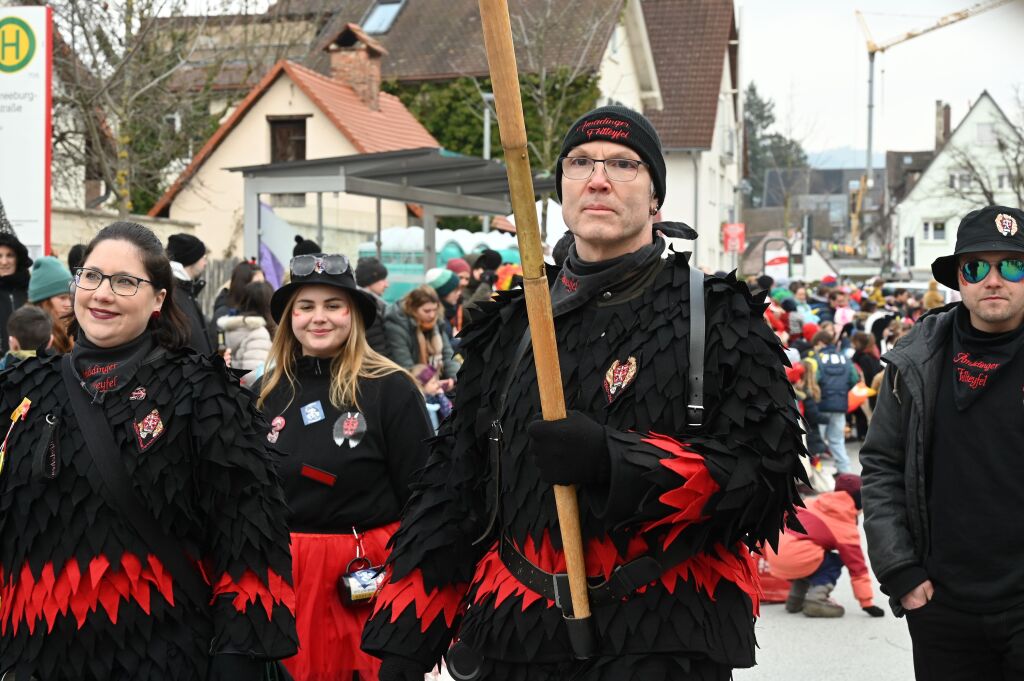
941, 123
355, 60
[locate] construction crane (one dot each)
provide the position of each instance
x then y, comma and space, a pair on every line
873, 49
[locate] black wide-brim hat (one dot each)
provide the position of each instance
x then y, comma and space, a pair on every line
995, 228
345, 281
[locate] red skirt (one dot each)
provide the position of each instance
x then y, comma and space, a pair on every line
329, 632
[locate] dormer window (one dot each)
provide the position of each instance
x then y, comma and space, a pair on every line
382, 15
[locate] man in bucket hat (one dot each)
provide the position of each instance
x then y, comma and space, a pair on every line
943, 478
667, 494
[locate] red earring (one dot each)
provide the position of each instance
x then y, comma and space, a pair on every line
155, 316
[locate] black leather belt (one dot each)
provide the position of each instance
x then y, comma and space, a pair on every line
554, 586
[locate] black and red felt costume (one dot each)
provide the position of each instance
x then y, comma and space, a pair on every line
346, 475
81, 595
622, 328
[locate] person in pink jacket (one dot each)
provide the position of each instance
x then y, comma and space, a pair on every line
815, 558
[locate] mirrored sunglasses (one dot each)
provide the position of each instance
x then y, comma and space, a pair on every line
305, 265
975, 271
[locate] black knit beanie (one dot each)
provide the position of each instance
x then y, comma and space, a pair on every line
305, 247
185, 249
623, 126
369, 271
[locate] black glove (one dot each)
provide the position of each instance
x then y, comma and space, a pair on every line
227, 667
570, 451
874, 611
396, 668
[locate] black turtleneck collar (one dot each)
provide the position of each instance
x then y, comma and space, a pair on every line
104, 370
978, 356
581, 281
307, 365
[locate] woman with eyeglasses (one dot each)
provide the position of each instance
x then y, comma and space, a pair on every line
142, 524
351, 426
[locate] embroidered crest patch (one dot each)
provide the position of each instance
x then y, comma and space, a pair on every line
618, 378
1006, 224
350, 426
148, 430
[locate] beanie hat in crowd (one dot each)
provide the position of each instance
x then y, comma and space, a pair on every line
849, 483
369, 271
457, 265
623, 126
76, 256
49, 278
488, 260
305, 247
185, 249
442, 280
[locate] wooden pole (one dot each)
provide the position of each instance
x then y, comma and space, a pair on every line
512, 128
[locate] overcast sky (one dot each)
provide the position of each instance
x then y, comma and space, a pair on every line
810, 57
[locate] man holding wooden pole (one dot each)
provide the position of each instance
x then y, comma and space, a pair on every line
683, 447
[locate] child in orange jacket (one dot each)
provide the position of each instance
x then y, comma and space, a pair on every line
815, 558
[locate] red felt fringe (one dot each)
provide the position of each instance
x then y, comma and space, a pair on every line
251, 588
23, 598
410, 590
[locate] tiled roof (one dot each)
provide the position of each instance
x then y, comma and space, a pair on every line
442, 39
390, 128
689, 39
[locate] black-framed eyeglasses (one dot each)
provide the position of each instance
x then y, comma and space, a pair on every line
89, 279
615, 169
305, 265
975, 271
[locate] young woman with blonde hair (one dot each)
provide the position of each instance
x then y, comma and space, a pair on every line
351, 426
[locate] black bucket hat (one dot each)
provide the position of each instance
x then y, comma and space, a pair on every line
326, 270
995, 228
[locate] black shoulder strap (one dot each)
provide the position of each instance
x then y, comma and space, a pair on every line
521, 350
698, 320
101, 446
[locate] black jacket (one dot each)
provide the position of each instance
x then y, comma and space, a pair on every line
14, 287
745, 459
13, 294
200, 338
376, 337
894, 454
362, 482
82, 598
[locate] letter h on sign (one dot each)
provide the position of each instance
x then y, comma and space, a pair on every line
7, 44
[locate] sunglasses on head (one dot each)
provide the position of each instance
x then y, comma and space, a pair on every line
305, 265
975, 271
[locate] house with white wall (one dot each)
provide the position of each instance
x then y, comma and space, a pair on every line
296, 114
675, 60
696, 48
971, 170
